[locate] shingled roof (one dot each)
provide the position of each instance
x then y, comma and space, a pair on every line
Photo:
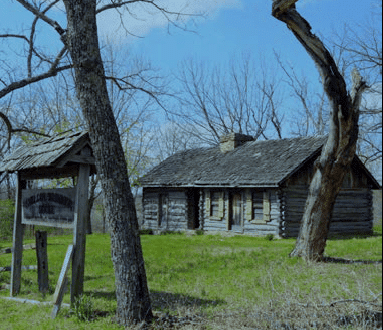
47, 152
255, 163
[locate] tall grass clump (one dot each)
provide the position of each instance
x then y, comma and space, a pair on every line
82, 308
7, 212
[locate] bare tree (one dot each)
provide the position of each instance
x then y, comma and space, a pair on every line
361, 45
216, 101
81, 44
339, 150
171, 138
312, 113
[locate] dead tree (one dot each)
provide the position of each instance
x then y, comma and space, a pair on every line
339, 150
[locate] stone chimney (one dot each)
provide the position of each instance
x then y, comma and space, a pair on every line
233, 140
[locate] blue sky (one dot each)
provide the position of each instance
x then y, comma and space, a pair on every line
247, 26
230, 27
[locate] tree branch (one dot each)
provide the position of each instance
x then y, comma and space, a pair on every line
333, 81
130, 86
9, 127
11, 130
42, 16
27, 81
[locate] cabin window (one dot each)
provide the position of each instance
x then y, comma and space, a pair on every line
258, 206
215, 205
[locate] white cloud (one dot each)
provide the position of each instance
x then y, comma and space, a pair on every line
141, 18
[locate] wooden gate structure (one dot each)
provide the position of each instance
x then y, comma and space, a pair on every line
63, 156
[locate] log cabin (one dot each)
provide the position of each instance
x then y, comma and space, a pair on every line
250, 187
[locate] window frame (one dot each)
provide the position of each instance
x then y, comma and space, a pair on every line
266, 207
221, 205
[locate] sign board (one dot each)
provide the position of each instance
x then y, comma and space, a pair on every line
49, 207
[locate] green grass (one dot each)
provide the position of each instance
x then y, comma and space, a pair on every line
224, 279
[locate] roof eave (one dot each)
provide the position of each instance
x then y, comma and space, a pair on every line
211, 185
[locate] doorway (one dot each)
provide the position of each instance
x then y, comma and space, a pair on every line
193, 208
163, 211
236, 214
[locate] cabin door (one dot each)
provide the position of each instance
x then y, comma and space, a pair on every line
236, 213
193, 208
163, 211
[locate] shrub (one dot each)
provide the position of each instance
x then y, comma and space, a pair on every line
7, 212
146, 232
269, 237
170, 232
82, 308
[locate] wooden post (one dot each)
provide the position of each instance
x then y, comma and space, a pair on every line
18, 230
79, 235
42, 261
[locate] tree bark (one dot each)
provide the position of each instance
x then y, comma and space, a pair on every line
339, 150
133, 302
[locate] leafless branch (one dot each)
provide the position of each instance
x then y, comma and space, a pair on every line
27, 81
41, 14
170, 16
123, 84
12, 130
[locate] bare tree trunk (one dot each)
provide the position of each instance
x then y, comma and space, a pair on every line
92, 196
133, 302
339, 150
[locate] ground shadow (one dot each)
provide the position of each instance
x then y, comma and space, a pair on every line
349, 261
105, 295
97, 277
336, 237
164, 300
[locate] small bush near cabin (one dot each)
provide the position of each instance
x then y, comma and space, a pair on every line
7, 211
146, 232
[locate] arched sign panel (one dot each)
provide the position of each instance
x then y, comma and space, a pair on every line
49, 207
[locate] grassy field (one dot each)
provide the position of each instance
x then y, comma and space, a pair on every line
214, 282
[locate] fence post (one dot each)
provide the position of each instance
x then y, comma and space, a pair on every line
42, 261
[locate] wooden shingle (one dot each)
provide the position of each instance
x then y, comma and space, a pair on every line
54, 152
253, 164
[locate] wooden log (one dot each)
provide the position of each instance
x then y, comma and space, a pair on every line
61, 283
34, 302
25, 247
265, 227
344, 229
350, 225
262, 232
342, 202
9, 268
42, 261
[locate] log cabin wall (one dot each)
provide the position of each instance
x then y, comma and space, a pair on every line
257, 211
353, 209
262, 216
165, 210
215, 209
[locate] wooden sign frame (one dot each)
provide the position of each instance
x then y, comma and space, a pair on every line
49, 207
79, 225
